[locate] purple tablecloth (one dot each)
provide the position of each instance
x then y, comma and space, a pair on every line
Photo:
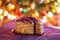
50, 33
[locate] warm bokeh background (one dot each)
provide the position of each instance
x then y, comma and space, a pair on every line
48, 11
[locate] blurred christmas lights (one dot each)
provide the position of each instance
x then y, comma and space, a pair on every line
19, 2
56, 4
24, 10
58, 1
54, 10
25, 7
41, 1
21, 9
5, 13
50, 14
58, 9
44, 19
33, 5
28, 9
1, 17
36, 13
1, 11
11, 17
46, 1
10, 6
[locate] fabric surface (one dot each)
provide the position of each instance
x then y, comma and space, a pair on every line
49, 33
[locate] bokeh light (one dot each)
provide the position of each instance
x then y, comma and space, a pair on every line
58, 9
1, 11
1, 17
33, 5
21, 9
5, 13
10, 6
50, 14
58, 1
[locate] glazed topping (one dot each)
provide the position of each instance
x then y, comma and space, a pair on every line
27, 19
